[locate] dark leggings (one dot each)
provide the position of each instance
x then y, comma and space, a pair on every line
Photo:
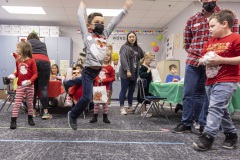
41, 83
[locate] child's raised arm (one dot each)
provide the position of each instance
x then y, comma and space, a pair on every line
81, 18
110, 27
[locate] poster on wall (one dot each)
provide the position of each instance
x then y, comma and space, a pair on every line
169, 47
64, 64
177, 41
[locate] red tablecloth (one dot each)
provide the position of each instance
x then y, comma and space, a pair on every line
54, 88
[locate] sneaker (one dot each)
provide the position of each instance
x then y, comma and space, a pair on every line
203, 143
65, 86
36, 114
123, 111
46, 116
230, 140
181, 128
72, 122
196, 125
147, 114
129, 110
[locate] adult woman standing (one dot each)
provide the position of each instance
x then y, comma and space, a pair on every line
130, 55
43, 66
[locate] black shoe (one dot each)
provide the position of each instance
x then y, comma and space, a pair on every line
178, 107
72, 122
65, 86
201, 129
203, 143
230, 140
181, 128
13, 124
30, 120
105, 118
94, 119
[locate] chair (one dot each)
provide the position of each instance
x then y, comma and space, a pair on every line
154, 100
9, 91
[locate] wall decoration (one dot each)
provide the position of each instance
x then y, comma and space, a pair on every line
169, 47
155, 48
160, 37
177, 41
153, 44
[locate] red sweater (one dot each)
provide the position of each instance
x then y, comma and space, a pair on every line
107, 74
228, 46
26, 70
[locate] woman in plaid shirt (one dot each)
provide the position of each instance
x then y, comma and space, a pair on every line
196, 34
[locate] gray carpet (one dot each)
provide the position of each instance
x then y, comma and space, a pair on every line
123, 139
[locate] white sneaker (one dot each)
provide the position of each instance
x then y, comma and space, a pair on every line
123, 111
148, 114
196, 125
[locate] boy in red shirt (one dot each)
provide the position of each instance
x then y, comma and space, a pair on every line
222, 70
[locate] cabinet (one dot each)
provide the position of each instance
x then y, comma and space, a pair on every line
163, 68
59, 48
7, 61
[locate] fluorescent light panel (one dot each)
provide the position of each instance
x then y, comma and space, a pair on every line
105, 12
24, 10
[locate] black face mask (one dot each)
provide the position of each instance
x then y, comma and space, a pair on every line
209, 6
98, 29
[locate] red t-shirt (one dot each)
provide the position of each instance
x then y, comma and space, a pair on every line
26, 70
107, 74
228, 46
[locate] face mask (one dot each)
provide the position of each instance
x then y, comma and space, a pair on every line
98, 29
209, 6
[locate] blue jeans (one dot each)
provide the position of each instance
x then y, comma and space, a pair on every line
199, 111
219, 95
75, 81
88, 76
195, 78
127, 85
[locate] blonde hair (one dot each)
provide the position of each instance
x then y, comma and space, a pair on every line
110, 47
26, 49
146, 56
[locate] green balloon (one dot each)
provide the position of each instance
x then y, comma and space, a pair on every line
160, 37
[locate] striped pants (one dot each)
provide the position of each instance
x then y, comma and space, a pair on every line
29, 90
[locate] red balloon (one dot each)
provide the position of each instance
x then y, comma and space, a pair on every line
155, 48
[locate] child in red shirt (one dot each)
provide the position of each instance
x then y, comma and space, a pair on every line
222, 60
26, 71
105, 77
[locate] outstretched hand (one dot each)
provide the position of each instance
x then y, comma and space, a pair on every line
128, 4
82, 4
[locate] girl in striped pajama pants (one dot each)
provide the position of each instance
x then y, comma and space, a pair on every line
26, 71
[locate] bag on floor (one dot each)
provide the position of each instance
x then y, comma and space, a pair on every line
100, 94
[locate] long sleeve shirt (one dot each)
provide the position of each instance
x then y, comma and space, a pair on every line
196, 34
26, 70
96, 45
107, 75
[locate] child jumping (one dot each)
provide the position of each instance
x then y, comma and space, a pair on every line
105, 77
223, 76
94, 37
26, 71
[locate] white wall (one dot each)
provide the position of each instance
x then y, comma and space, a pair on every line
177, 26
